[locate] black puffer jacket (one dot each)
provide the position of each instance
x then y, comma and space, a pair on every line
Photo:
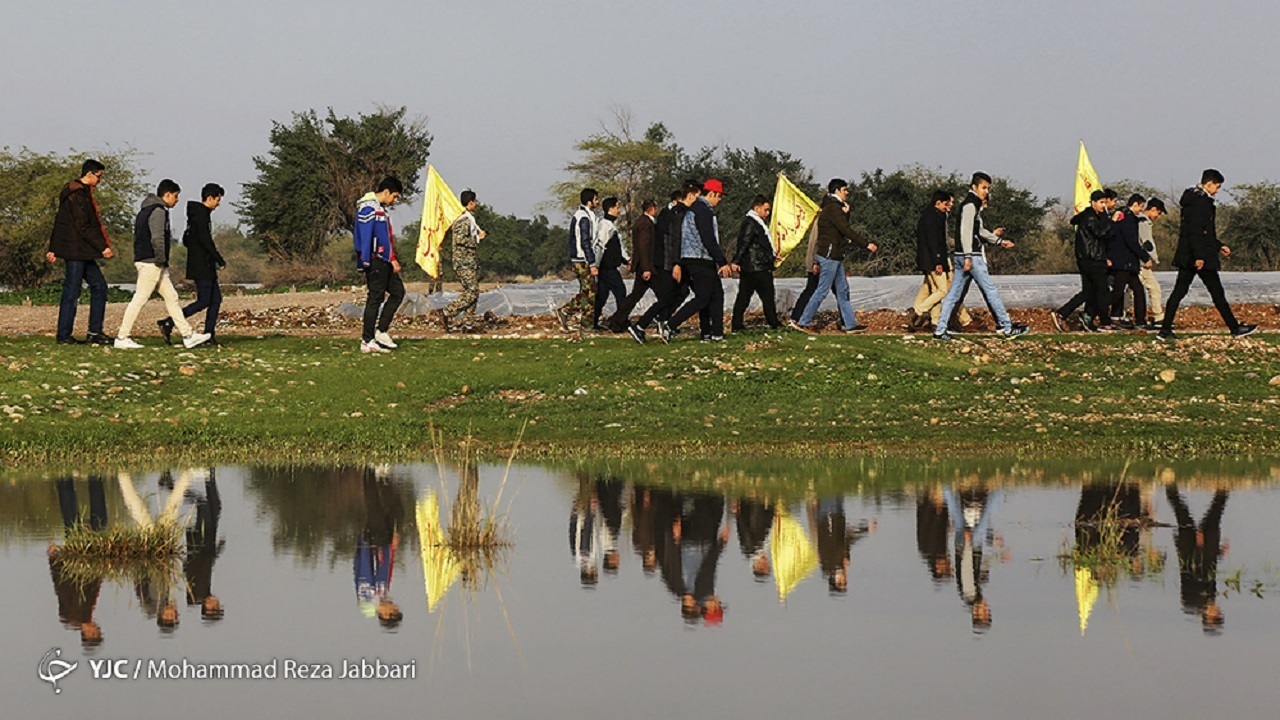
1125, 251
755, 249
1092, 229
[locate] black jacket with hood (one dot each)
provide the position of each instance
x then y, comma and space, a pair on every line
203, 258
1198, 233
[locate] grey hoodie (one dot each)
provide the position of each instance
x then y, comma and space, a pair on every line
151, 234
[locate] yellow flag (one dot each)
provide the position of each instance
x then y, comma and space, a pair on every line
793, 555
1086, 180
440, 568
440, 207
793, 213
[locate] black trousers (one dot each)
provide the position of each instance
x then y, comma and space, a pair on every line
1122, 279
1095, 292
759, 282
384, 285
608, 282
670, 295
707, 301
1212, 283
810, 287
622, 315
208, 297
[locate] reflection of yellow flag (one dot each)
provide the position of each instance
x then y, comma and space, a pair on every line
793, 212
1086, 596
439, 566
793, 554
440, 207
1086, 180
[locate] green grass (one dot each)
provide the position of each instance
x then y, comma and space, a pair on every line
293, 400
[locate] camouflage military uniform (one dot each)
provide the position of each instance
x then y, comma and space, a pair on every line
465, 239
583, 304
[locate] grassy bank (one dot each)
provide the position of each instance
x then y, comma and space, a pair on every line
280, 399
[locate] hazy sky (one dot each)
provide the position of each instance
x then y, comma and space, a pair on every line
1158, 90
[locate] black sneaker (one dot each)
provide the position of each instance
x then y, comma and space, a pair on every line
1166, 335
1059, 322
943, 336
99, 339
1243, 330
68, 340
636, 332
166, 329
856, 329
1123, 323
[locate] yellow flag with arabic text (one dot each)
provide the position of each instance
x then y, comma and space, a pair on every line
440, 207
793, 213
1086, 180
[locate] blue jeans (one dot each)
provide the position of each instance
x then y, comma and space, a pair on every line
989, 293
830, 279
78, 272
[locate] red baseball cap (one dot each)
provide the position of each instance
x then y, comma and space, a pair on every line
713, 185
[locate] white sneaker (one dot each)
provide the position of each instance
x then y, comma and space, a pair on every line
194, 339
372, 346
125, 343
384, 340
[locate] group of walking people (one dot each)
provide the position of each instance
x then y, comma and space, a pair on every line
677, 254
79, 239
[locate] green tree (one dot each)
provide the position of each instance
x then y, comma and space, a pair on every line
308, 184
30, 183
617, 161
1250, 226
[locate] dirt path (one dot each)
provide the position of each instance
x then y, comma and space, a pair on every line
312, 313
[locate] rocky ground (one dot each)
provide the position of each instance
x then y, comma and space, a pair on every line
312, 313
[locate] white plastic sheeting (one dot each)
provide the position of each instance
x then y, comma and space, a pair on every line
896, 292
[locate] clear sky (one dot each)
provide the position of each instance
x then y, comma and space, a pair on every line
1158, 90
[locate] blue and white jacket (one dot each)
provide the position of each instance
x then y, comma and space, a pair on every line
582, 233
374, 237
700, 234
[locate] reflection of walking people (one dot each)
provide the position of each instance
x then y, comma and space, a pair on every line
466, 235
585, 532
971, 513
77, 597
932, 520
835, 539
755, 519
1199, 547
376, 547
79, 240
203, 548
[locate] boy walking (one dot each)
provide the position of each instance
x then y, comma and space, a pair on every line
203, 262
376, 258
703, 262
609, 257
1197, 255
152, 240
466, 236
582, 233
971, 262
833, 240
1146, 275
78, 240
755, 260
934, 261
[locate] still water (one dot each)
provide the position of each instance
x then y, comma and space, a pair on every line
883, 591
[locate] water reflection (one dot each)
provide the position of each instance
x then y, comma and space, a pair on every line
376, 546
1199, 546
